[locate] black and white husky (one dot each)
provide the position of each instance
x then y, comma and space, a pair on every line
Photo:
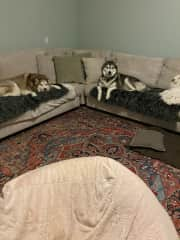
108, 79
111, 79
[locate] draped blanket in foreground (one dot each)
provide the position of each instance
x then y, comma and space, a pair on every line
13, 106
92, 198
148, 103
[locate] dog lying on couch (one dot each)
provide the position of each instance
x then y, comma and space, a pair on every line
172, 95
25, 84
111, 79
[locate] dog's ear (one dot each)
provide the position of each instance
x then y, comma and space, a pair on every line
36, 81
106, 59
111, 58
30, 76
115, 59
27, 75
44, 77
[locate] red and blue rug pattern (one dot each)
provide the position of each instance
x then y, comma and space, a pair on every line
87, 132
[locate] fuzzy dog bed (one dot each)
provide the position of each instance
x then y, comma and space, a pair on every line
148, 103
85, 198
13, 106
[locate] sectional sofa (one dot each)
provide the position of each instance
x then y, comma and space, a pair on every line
156, 72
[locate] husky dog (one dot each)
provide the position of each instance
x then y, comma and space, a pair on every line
25, 84
39, 83
111, 79
172, 95
15, 86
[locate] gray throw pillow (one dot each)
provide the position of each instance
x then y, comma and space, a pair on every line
148, 139
68, 69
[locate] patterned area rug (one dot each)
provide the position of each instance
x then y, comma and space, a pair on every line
86, 132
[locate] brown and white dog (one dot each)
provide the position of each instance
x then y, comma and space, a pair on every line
172, 95
25, 84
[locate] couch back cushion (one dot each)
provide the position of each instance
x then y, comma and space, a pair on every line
96, 53
170, 68
17, 63
82, 53
145, 69
59, 52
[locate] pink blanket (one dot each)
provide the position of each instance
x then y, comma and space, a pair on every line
92, 198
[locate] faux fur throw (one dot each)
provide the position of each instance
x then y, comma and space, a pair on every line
13, 106
148, 103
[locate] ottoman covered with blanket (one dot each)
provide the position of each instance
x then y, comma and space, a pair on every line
84, 198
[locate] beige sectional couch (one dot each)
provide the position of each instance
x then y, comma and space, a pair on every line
156, 72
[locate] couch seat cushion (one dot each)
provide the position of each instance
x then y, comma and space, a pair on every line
148, 103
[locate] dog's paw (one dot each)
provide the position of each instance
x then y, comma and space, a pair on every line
33, 94
108, 96
56, 86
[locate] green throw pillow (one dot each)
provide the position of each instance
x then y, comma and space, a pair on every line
68, 69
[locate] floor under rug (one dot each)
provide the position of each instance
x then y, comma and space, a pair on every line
87, 132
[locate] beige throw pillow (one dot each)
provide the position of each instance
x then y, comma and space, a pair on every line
93, 68
148, 139
46, 66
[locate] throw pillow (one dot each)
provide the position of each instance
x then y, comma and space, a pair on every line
93, 68
68, 69
82, 54
46, 66
172, 153
148, 139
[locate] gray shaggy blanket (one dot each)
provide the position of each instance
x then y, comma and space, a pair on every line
13, 106
148, 103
